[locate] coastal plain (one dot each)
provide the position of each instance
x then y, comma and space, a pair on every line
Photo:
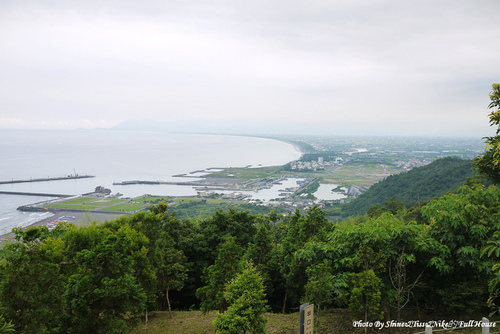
342, 163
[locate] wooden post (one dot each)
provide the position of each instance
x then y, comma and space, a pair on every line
485, 329
428, 329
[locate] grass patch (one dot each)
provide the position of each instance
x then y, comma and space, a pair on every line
194, 322
126, 207
358, 175
209, 201
189, 322
82, 206
249, 173
336, 321
78, 200
153, 199
87, 202
98, 204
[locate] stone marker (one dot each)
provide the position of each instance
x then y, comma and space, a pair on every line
306, 319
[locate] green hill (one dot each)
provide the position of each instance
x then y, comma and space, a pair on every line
418, 185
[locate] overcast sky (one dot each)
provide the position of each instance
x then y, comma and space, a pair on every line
285, 66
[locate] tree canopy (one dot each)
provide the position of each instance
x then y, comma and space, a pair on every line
102, 277
414, 187
489, 163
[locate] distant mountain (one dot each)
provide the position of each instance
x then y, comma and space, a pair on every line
418, 185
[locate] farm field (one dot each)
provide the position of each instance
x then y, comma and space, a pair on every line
184, 207
359, 175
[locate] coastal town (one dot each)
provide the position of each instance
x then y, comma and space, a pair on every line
329, 173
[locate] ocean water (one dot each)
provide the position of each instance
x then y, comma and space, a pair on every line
10, 217
114, 156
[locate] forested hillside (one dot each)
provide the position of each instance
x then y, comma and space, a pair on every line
101, 278
416, 186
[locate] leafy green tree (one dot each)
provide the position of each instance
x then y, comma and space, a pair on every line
166, 266
489, 163
216, 276
171, 271
163, 228
239, 224
492, 250
155, 222
32, 281
301, 229
370, 244
366, 295
323, 286
375, 211
259, 251
358, 246
312, 226
366, 292
201, 244
394, 206
400, 281
462, 223
104, 290
246, 299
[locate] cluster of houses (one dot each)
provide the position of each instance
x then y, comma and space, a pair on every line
315, 165
412, 163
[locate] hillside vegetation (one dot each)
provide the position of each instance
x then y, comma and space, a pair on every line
416, 186
437, 261
105, 278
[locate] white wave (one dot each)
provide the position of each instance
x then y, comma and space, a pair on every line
34, 220
8, 223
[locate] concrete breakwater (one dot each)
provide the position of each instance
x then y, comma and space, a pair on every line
59, 178
29, 208
126, 183
32, 194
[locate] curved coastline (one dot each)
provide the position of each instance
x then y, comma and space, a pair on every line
298, 147
298, 151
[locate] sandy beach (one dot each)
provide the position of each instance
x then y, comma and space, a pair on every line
81, 218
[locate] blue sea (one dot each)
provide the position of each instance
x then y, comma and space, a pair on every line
114, 156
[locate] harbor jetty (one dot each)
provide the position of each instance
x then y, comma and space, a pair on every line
126, 183
59, 178
33, 194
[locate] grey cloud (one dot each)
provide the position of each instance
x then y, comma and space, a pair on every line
385, 62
